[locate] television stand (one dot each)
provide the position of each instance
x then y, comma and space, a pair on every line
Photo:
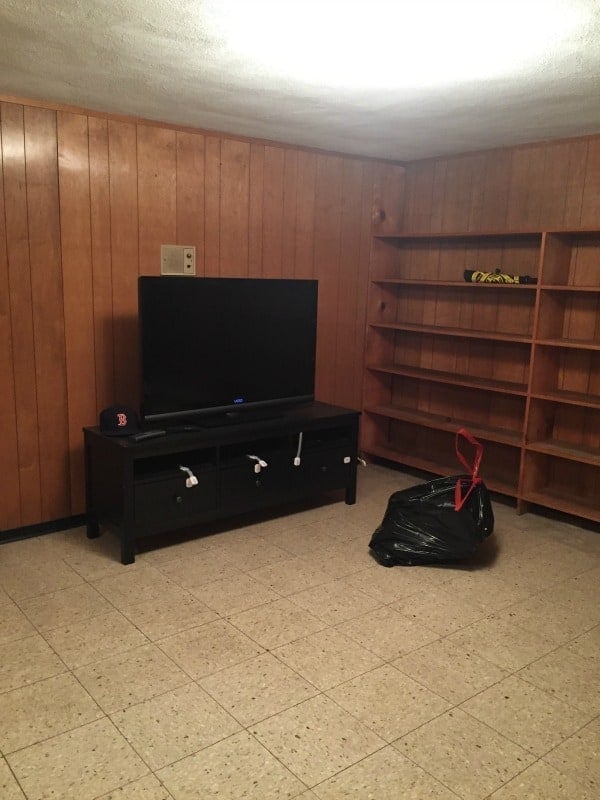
138, 489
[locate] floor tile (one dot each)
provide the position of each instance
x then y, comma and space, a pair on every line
176, 724
526, 715
568, 677
465, 755
587, 645
484, 590
143, 585
148, 788
450, 671
388, 702
276, 623
27, 661
290, 576
42, 710
211, 647
232, 595
23, 580
80, 765
540, 781
543, 616
9, 788
238, 767
248, 553
501, 643
439, 611
174, 612
390, 584
316, 739
257, 689
13, 623
385, 775
327, 658
100, 558
94, 639
577, 757
65, 607
130, 678
199, 570
387, 633
334, 602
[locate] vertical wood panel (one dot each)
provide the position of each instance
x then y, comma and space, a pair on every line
272, 224
578, 153
494, 209
10, 510
190, 194
157, 194
212, 205
75, 239
328, 213
21, 316
305, 215
48, 311
255, 209
235, 201
348, 282
124, 246
288, 247
102, 291
590, 212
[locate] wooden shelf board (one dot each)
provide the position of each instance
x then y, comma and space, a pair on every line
443, 423
436, 376
570, 398
436, 468
457, 284
551, 498
581, 454
571, 288
456, 332
574, 344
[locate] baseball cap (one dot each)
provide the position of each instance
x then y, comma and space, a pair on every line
118, 421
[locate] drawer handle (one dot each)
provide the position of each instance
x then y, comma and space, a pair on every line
178, 498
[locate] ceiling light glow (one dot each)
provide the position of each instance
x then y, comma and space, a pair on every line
382, 44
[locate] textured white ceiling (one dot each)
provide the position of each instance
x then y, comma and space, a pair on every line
164, 60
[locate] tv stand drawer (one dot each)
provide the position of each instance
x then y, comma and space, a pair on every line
168, 503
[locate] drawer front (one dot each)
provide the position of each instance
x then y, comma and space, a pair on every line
323, 469
243, 488
168, 502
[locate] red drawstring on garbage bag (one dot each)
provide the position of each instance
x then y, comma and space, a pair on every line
473, 469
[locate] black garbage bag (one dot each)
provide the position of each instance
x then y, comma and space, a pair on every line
443, 520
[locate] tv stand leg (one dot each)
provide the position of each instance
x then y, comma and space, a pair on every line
127, 549
351, 495
92, 529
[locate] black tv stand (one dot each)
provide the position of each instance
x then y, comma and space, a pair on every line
138, 488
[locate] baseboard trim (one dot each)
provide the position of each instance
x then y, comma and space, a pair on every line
42, 528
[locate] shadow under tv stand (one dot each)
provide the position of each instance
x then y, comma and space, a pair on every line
138, 489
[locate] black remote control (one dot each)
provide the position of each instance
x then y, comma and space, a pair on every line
141, 437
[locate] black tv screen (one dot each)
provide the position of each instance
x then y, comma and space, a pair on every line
223, 345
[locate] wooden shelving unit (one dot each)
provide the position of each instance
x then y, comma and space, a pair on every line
517, 364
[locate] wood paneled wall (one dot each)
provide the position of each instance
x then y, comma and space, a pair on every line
85, 203
546, 186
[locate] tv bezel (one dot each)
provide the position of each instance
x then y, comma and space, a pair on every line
231, 412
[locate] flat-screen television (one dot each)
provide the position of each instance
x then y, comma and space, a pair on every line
225, 346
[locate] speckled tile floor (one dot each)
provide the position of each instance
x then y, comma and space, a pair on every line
278, 660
